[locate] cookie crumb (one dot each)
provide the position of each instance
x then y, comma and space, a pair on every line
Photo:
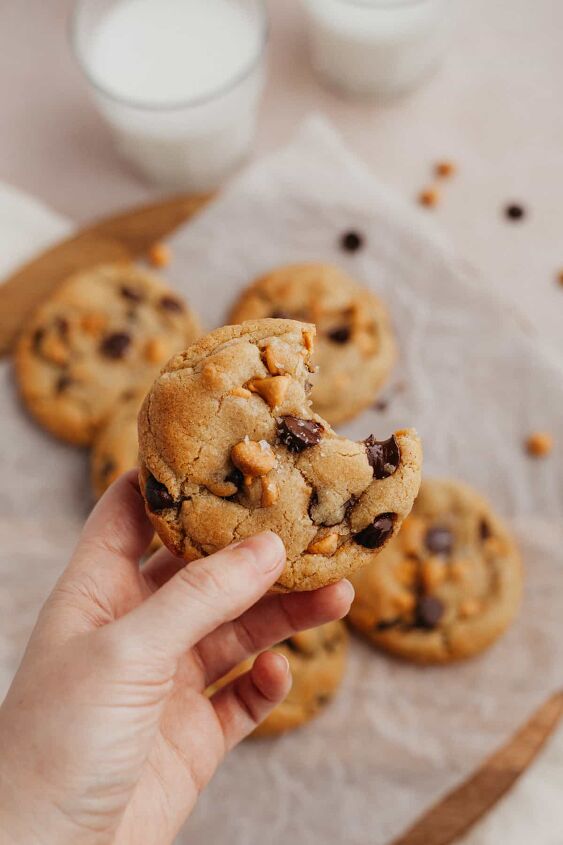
539, 444
514, 211
159, 255
429, 197
560, 278
444, 169
351, 241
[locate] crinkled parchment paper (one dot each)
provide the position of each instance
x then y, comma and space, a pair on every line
473, 379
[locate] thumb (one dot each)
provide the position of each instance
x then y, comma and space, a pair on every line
205, 594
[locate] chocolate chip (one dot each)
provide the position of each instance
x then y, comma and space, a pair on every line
439, 540
384, 456
157, 496
429, 611
514, 211
107, 468
484, 530
291, 645
341, 334
170, 303
374, 535
115, 345
278, 314
298, 434
235, 477
386, 624
61, 325
63, 382
38, 336
130, 293
323, 698
351, 241
381, 405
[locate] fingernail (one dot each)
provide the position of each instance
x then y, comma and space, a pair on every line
268, 550
281, 659
349, 590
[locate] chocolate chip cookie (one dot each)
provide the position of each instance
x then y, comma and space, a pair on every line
229, 446
317, 659
355, 348
116, 447
447, 586
102, 333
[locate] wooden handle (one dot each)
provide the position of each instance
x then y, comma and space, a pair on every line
461, 808
125, 236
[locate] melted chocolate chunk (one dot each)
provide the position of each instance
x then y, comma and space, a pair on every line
297, 434
351, 241
341, 334
115, 345
61, 325
170, 303
289, 643
130, 293
157, 496
374, 535
429, 611
484, 530
63, 382
278, 314
384, 456
235, 477
323, 698
439, 540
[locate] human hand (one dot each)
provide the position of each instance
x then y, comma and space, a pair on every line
106, 735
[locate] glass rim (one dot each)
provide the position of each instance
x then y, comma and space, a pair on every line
173, 105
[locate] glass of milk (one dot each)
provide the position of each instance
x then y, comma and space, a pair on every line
178, 81
380, 48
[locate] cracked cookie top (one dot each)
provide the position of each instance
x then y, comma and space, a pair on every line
229, 446
447, 586
103, 333
355, 347
317, 660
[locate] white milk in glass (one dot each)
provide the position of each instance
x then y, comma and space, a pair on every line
377, 47
178, 80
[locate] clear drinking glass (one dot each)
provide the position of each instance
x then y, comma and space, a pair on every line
380, 48
190, 121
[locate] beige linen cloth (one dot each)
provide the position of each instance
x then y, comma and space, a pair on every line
474, 380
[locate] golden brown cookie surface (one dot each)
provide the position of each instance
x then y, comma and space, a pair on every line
229, 447
447, 586
101, 334
355, 347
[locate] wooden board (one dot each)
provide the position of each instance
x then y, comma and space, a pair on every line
127, 235
130, 235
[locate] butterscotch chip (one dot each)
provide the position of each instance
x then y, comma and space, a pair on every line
253, 458
270, 492
293, 474
272, 389
406, 571
155, 350
466, 567
271, 361
326, 545
241, 392
224, 489
93, 323
539, 444
444, 169
85, 346
308, 339
429, 197
159, 255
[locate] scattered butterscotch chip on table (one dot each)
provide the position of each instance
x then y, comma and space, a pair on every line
222, 459
539, 444
159, 255
429, 197
444, 169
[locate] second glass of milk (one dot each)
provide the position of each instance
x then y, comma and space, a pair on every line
380, 48
179, 82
